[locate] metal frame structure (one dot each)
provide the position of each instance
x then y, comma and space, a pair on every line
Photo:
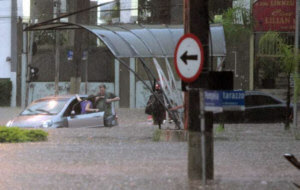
144, 41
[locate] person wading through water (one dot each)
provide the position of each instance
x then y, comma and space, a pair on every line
103, 103
155, 106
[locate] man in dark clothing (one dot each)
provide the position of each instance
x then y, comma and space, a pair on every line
156, 107
104, 100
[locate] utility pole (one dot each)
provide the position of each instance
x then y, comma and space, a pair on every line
56, 11
24, 68
296, 75
196, 21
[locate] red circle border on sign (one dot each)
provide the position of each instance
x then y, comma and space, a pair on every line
189, 35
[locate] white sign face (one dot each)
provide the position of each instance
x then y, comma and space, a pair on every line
189, 58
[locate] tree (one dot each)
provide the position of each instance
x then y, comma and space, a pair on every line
269, 60
81, 36
287, 60
237, 23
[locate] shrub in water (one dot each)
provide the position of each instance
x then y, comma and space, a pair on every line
36, 135
156, 135
14, 134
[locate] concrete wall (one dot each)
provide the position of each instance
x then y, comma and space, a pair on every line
41, 89
5, 38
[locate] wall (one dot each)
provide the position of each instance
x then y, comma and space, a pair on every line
41, 89
239, 64
5, 38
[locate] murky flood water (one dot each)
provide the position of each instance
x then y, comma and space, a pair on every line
125, 157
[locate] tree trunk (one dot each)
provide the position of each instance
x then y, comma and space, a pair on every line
81, 36
288, 101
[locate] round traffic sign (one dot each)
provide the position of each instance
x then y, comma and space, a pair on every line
189, 57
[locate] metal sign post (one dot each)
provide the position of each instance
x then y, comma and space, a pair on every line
203, 151
192, 60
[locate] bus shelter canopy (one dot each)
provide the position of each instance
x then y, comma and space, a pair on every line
140, 41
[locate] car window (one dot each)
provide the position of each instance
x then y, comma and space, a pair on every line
74, 105
260, 100
45, 107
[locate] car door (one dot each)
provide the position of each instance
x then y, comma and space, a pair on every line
262, 109
94, 119
75, 119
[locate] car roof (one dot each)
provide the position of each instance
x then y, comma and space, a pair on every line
250, 92
63, 96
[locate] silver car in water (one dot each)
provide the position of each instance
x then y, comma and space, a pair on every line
55, 112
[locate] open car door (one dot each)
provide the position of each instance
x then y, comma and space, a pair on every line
94, 119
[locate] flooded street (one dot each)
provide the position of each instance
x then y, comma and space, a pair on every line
125, 157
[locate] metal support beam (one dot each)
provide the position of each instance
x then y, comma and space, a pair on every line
117, 81
132, 83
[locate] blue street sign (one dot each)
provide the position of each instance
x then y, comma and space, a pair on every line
213, 101
218, 101
233, 100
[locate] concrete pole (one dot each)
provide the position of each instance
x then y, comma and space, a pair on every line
24, 68
295, 123
196, 22
56, 11
132, 83
14, 52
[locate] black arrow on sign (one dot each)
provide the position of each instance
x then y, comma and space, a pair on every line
185, 57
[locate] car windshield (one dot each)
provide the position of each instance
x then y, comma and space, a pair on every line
45, 107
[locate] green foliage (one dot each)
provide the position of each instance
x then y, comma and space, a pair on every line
271, 67
269, 44
5, 89
288, 58
297, 84
48, 37
156, 135
275, 46
220, 128
280, 56
272, 44
116, 10
237, 23
36, 135
15, 134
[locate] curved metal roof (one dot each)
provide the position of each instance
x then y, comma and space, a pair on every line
132, 40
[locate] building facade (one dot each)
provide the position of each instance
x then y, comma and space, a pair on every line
10, 51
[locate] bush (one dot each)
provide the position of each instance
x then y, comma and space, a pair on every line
156, 135
36, 135
5, 89
14, 134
